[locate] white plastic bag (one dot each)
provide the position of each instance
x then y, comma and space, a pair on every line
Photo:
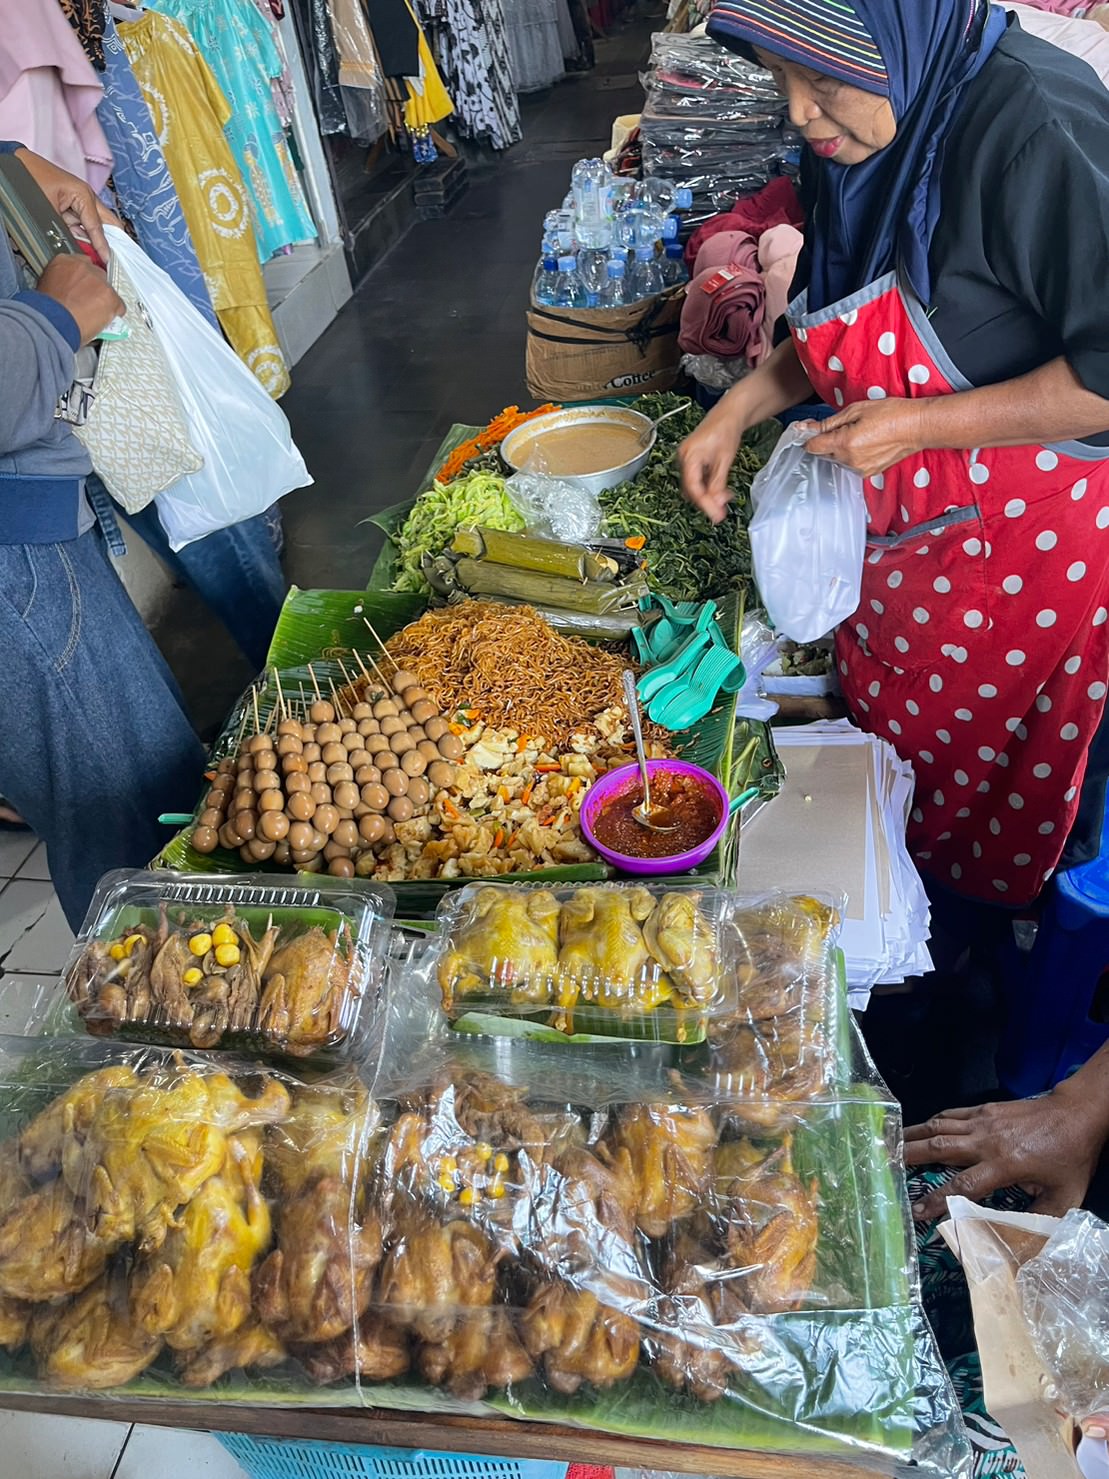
808, 538
250, 460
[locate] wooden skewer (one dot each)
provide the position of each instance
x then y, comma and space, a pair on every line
303, 703
339, 714
381, 676
381, 644
358, 659
346, 676
280, 695
315, 685
257, 721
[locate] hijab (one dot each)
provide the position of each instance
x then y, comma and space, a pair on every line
881, 215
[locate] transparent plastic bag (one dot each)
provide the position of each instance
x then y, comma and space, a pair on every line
808, 538
168, 1221
250, 460
1064, 1292
556, 508
254, 963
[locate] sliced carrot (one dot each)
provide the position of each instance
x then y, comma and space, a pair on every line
527, 791
450, 808
521, 744
636, 542
499, 837
548, 769
503, 793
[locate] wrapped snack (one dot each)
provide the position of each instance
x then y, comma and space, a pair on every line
609, 960
1064, 1292
211, 962
172, 1222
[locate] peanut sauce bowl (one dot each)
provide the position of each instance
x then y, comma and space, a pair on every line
619, 786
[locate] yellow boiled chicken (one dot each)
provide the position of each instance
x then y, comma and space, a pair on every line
196, 1288
603, 959
43, 1141
324, 1135
46, 1249
507, 942
683, 942
93, 1341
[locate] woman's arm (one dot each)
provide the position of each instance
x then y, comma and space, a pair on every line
1049, 405
707, 455
1049, 1146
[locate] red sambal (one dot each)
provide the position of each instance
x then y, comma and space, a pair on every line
679, 801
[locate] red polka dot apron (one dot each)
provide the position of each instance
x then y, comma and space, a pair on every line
980, 648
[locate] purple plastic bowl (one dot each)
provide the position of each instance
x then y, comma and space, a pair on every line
615, 781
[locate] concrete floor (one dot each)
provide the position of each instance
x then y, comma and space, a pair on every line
434, 335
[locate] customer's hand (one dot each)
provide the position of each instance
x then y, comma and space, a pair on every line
705, 459
1049, 1147
73, 200
870, 437
81, 287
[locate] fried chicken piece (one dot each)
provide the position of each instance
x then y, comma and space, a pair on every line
683, 942
482, 1351
603, 958
251, 1347
578, 1339
324, 1135
15, 1318
506, 941
770, 1225
433, 1273
319, 1278
665, 1152
93, 1341
196, 1288
43, 1141
304, 992
149, 1149
46, 1251
380, 1353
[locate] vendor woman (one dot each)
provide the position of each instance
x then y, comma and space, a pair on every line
951, 304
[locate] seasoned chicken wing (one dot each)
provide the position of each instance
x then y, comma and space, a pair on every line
46, 1249
507, 941
304, 992
603, 959
578, 1339
196, 1288
683, 943
93, 1341
665, 1152
319, 1278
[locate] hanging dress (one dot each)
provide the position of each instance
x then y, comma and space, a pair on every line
239, 47
470, 42
189, 112
980, 648
534, 43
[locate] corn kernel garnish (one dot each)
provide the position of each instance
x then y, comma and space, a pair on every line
200, 944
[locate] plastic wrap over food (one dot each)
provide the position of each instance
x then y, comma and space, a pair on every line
1064, 1292
610, 960
247, 962
168, 1223
555, 507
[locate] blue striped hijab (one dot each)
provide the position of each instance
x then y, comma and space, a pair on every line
920, 54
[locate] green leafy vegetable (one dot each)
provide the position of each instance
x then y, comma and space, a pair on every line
476, 498
688, 559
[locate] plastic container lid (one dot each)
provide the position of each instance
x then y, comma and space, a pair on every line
683, 198
247, 962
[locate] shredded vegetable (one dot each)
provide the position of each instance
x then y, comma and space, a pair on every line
490, 436
479, 498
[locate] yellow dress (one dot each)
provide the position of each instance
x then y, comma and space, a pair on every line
433, 103
189, 113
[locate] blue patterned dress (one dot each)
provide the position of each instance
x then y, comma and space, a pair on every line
238, 45
143, 183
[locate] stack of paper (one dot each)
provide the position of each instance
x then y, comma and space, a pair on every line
839, 828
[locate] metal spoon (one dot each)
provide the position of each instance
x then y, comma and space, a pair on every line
646, 433
642, 812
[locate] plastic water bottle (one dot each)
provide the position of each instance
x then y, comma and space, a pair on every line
569, 291
591, 200
546, 282
614, 292
650, 225
673, 267
592, 264
645, 278
550, 232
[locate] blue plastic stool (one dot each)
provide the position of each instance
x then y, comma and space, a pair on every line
1061, 987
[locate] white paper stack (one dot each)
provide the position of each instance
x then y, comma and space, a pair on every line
839, 827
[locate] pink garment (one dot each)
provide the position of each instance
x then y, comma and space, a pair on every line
724, 310
1060, 7
779, 249
1086, 40
776, 204
722, 249
49, 91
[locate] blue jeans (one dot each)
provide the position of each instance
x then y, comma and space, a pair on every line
98, 742
236, 571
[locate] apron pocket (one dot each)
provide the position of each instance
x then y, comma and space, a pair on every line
924, 593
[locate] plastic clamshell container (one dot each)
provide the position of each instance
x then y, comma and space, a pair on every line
605, 960
618, 781
241, 962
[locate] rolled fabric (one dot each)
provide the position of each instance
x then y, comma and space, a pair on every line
779, 249
725, 248
724, 312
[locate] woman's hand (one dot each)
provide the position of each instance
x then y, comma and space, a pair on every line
1049, 1146
73, 200
872, 436
705, 459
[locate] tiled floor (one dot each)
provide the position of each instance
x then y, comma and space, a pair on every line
35, 1447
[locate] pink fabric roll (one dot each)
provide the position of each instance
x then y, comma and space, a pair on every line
724, 248
779, 249
49, 91
724, 310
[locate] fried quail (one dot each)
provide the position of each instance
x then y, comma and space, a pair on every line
686, 1351
482, 1351
15, 1317
304, 992
251, 1346
507, 941
380, 1353
433, 1273
93, 1341
770, 1225
14, 1181
578, 1339
665, 1151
